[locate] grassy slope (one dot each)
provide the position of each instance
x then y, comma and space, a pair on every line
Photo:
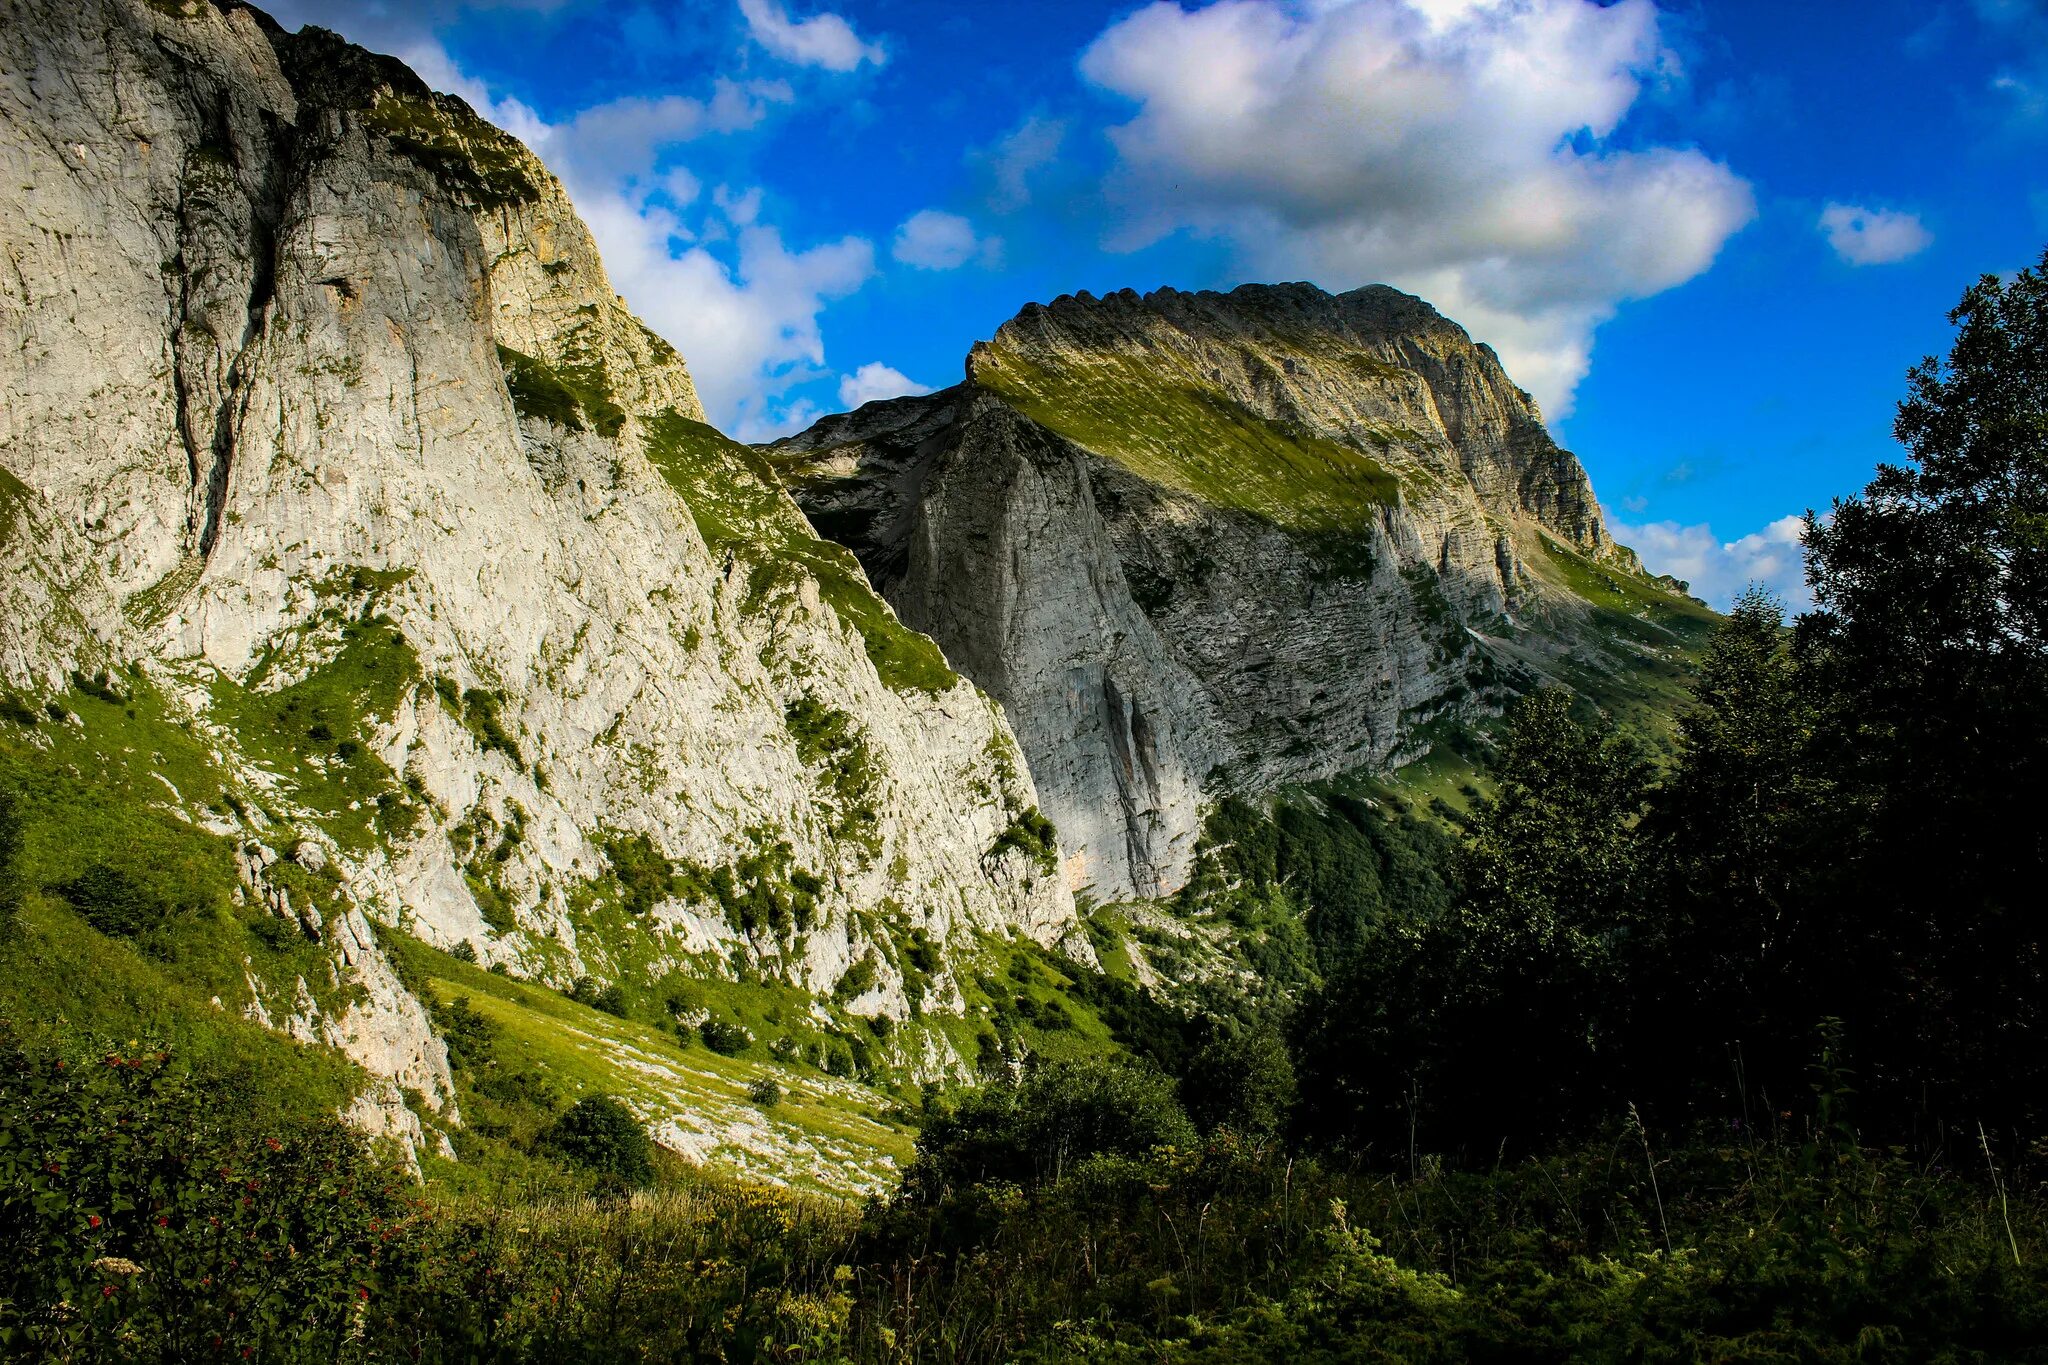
827, 1134
1163, 422
96, 790
741, 509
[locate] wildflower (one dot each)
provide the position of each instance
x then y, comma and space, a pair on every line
116, 1265
106, 1291
93, 1219
54, 1169
162, 1221
274, 1144
364, 1292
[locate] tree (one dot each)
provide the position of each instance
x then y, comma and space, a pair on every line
1036, 1130
1734, 956
600, 1135
1928, 653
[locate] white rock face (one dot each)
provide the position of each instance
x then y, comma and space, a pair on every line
255, 292
1132, 524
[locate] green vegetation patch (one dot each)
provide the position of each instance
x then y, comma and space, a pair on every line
528, 1054
740, 508
468, 156
1163, 422
831, 741
315, 732
574, 397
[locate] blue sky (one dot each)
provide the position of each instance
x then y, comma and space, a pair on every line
1709, 237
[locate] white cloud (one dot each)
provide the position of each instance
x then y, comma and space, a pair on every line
1863, 236
824, 40
1457, 148
875, 381
626, 136
1016, 157
746, 320
931, 239
1718, 570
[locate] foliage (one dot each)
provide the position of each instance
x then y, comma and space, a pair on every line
601, 1135
1029, 1131
1927, 664
1031, 834
725, 1038
740, 509
829, 739
646, 877
572, 397
143, 1217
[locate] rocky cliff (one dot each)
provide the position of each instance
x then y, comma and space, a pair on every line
327, 443
1209, 543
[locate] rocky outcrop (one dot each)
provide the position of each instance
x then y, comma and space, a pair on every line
1209, 543
313, 380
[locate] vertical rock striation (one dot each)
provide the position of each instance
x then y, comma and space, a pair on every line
313, 383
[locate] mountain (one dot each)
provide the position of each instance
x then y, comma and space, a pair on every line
371, 563
1203, 544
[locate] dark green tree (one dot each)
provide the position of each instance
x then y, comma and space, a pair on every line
601, 1136
1928, 656
1035, 1130
1725, 971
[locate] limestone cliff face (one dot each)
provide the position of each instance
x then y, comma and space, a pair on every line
310, 379
1207, 543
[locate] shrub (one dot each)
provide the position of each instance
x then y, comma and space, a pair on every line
1033, 1131
170, 1228
728, 1040
765, 1092
601, 1136
857, 979
1031, 834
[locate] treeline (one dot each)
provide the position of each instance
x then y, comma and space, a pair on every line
1849, 851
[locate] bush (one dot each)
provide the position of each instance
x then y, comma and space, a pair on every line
1034, 1131
728, 1040
765, 1092
601, 1136
166, 1227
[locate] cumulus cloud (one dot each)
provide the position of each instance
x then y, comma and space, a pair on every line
875, 381
1462, 149
739, 302
1718, 570
823, 40
1863, 236
626, 136
931, 239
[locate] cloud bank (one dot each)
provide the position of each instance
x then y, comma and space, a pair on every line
1466, 150
1718, 570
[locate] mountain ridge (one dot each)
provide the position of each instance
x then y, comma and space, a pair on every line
1203, 544
341, 459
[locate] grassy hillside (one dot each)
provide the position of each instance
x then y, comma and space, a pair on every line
1165, 422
